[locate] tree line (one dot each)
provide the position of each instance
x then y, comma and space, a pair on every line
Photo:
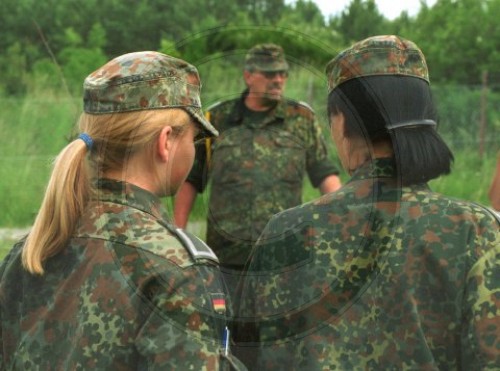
70, 38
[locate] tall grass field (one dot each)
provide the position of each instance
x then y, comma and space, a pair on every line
36, 126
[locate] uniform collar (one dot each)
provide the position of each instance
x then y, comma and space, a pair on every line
383, 169
124, 193
236, 115
378, 168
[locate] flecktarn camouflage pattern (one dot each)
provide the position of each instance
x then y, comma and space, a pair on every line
266, 57
376, 277
256, 169
144, 81
377, 55
125, 294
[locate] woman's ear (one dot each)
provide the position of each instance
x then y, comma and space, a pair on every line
164, 144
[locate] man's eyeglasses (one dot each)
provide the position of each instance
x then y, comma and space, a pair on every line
272, 74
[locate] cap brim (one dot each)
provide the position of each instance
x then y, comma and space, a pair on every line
200, 118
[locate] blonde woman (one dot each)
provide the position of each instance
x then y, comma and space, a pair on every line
104, 280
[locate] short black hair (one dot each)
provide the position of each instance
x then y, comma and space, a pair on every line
372, 104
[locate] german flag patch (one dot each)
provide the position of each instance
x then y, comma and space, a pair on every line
219, 303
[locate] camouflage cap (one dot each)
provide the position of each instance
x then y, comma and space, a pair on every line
144, 81
377, 55
266, 57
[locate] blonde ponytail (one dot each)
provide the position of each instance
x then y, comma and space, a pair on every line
65, 198
115, 137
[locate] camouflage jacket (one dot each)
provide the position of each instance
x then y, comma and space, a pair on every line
375, 276
256, 169
125, 294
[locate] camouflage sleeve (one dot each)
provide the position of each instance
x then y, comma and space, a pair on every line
319, 164
277, 263
280, 263
481, 333
184, 328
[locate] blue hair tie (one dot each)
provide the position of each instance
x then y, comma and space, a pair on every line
89, 142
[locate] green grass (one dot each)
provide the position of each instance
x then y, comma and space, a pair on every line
470, 178
5, 246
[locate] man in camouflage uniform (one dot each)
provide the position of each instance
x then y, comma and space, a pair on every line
257, 165
383, 274
129, 291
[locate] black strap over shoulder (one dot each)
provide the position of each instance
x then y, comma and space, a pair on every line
195, 246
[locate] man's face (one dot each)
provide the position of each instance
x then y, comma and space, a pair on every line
268, 86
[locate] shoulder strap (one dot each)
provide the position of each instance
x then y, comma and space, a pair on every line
195, 246
300, 107
306, 105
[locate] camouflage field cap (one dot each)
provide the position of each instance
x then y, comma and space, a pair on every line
144, 81
377, 55
266, 57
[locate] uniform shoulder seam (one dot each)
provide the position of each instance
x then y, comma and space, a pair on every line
194, 245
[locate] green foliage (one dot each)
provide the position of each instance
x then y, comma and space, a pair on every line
78, 62
13, 65
459, 37
47, 74
361, 20
465, 39
459, 109
169, 47
97, 36
470, 178
304, 12
79, 57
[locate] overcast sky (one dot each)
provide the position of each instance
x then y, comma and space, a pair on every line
389, 8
